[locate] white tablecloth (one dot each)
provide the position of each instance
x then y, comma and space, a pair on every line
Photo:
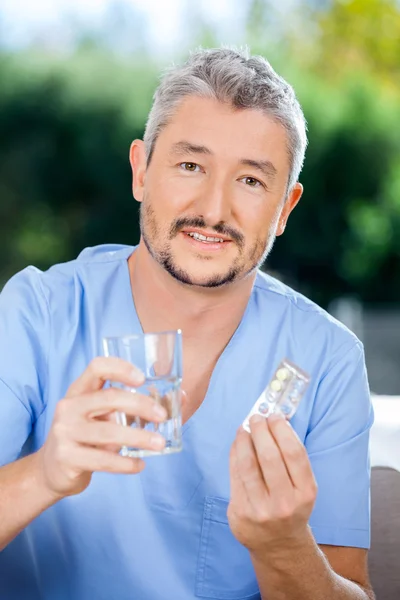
385, 432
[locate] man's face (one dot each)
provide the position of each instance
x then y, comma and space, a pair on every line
213, 196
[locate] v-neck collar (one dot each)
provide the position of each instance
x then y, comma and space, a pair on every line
169, 483
206, 407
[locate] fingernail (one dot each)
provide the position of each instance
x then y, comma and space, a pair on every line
257, 418
157, 441
137, 375
160, 412
276, 417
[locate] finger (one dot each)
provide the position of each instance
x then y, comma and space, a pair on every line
112, 417
92, 459
269, 457
292, 450
167, 402
249, 470
115, 417
101, 433
183, 398
103, 369
112, 399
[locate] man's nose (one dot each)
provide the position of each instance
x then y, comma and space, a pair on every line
214, 202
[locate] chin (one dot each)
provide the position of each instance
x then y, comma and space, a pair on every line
190, 272
208, 279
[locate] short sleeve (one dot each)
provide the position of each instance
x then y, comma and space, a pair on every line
24, 334
338, 447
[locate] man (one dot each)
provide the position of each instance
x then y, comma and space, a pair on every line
234, 515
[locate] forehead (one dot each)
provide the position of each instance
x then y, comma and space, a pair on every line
227, 131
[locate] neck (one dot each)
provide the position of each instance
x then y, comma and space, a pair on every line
164, 303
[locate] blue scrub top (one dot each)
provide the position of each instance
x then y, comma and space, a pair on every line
163, 534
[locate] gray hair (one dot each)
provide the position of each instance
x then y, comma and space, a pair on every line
232, 76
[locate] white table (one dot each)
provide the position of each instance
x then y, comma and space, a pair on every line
385, 432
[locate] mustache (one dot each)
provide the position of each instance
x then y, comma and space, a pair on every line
200, 223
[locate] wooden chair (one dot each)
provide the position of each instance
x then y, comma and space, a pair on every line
384, 555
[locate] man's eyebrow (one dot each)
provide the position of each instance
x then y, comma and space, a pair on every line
189, 148
265, 166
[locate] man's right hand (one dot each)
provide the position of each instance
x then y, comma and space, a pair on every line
85, 437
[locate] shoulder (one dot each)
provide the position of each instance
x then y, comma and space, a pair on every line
301, 317
24, 291
104, 253
36, 289
77, 273
90, 258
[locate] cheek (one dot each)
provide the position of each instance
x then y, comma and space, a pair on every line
172, 194
258, 217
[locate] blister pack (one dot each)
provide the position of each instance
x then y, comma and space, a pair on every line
283, 393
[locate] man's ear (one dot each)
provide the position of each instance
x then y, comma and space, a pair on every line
290, 202
137, 158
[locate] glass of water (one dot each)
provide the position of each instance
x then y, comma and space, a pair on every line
159, 357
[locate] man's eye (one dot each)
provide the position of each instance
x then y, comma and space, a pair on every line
189, 166
252, 181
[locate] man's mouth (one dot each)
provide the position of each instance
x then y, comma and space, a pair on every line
203, 238
206, 238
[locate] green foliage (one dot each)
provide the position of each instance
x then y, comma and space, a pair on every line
333, 38
65, 180
342, 56
359, 34
344, 236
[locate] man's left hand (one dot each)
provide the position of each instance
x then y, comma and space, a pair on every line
273, 489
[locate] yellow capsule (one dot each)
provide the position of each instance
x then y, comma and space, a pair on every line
282, 374
276, 385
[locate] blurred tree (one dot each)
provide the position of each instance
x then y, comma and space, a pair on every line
333, 37
342, 57
344, 237
65, 180
66, 126
360, 35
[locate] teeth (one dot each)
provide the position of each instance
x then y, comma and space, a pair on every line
203, 238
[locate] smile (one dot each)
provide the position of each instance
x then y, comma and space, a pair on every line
203, 238
206, 243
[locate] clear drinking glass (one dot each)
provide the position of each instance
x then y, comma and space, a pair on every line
159, 357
